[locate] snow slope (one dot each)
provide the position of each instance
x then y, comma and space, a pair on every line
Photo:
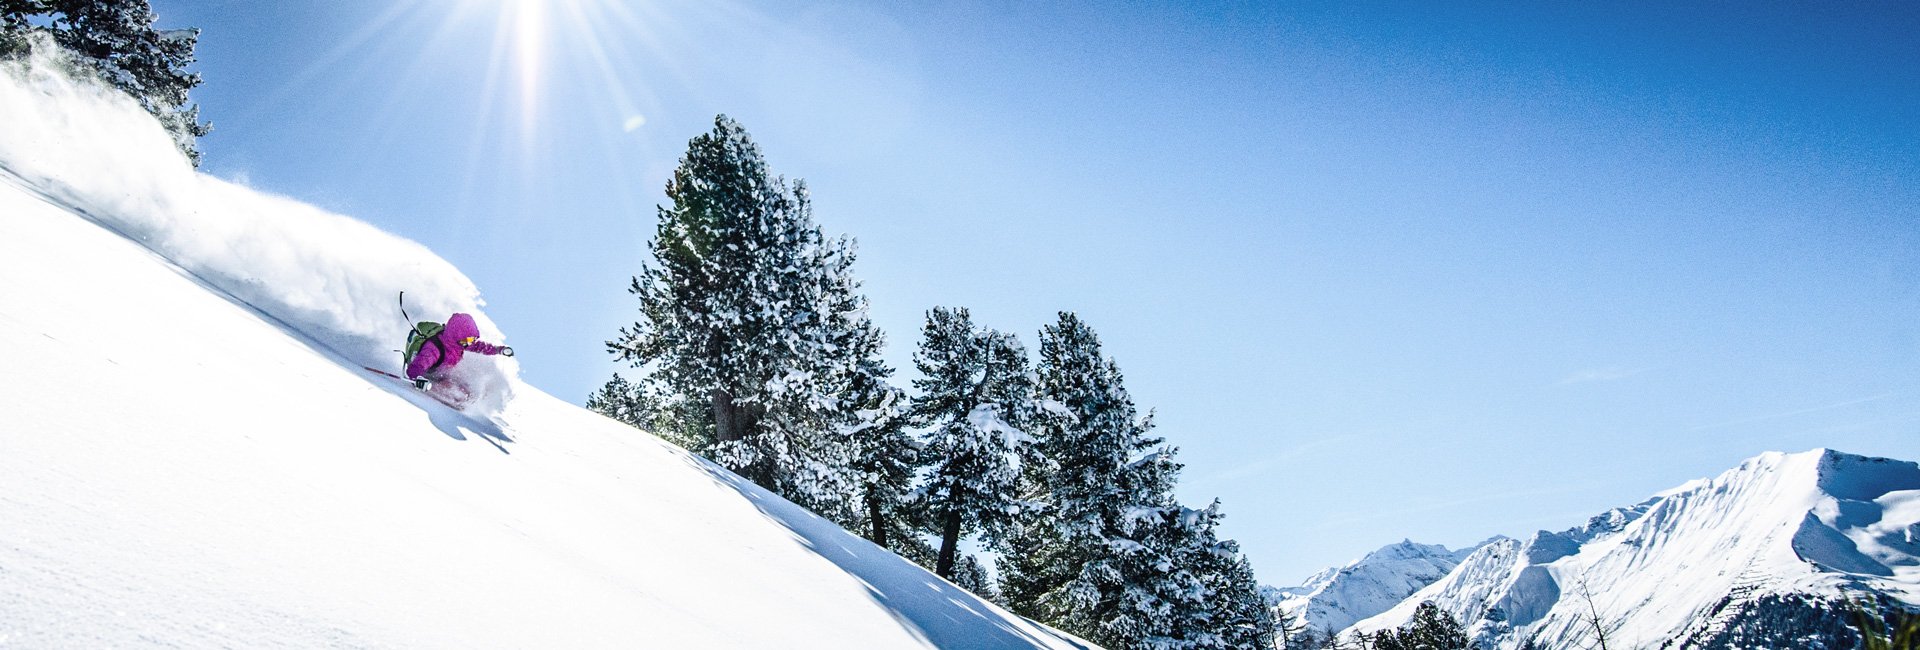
1781, 539
330, 277
190, 455
1338, 597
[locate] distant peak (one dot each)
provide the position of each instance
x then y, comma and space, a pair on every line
1407, 548
1863, 478
1831, 472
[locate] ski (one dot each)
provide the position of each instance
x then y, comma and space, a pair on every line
443, 400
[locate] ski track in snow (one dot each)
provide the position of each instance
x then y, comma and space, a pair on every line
322, 276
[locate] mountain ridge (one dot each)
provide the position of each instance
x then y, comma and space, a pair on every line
1779, 537
1336, 597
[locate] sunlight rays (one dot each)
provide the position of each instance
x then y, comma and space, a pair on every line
534, 57
528, 19
562, 48
524, 87
299, 81
591, 44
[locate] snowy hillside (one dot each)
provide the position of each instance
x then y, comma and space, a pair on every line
1759, 555
191, 456
1338, 597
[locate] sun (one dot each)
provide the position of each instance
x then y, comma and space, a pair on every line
529, 21
538, 43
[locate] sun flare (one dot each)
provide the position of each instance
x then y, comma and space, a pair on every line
529, 23
538, 44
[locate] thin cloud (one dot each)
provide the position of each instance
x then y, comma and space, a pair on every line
1262, 465
1452, 504
1614, 373
1775, 416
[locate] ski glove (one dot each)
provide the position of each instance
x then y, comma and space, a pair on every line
506, 350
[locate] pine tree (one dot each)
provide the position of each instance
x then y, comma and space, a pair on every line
971, 575
752, 313
668, 416
1430, 629
1293, 630
621, 401
1184, 588
1241, 615
1305, 637
1102, 479
885, 458
905, 542
1110, 555
1033, 565
1158, 595
116, 40
14, 15
974, 394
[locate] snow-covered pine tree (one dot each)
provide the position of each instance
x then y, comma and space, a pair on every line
697, 326
1033, 564
909, 544
1180, 587
1099, 467
1241, 612
1238, 614
1293, 631
970, 574
13, 20
974, 395
116, 40
668, 416
1148, 593
749, 310
885, 457
1430, 629
622, 401
1110, 555
828, 384
1177, 586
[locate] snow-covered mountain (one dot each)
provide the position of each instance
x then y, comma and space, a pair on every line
192, 456
1766, 555
1338, 597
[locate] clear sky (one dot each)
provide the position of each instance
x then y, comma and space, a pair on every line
1385, 270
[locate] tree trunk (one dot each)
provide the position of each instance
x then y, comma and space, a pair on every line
732, 422
726, 417
877, 519
949, 538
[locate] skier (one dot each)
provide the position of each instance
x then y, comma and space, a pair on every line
432, 349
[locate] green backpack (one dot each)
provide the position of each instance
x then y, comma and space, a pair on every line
422, 332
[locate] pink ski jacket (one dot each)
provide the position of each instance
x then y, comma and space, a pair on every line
445, 350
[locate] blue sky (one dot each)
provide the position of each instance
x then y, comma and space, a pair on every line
1388, 270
